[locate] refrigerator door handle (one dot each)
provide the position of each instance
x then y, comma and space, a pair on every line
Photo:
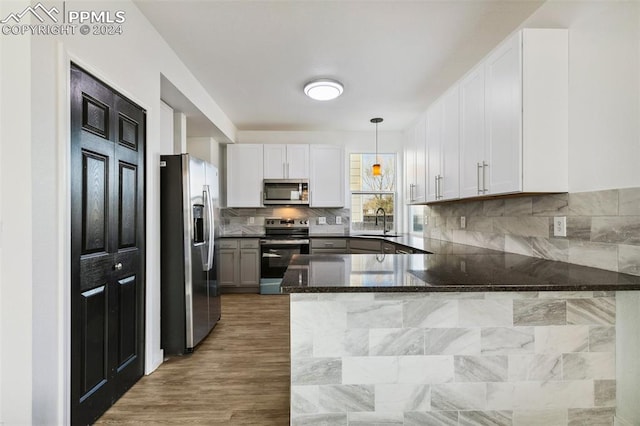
211, 227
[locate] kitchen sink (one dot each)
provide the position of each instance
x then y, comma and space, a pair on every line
376, 235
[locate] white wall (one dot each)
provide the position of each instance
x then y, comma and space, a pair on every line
166, 128
16, 304
35, 278
207, 149
604, 90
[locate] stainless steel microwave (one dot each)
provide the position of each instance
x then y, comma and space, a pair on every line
285, 191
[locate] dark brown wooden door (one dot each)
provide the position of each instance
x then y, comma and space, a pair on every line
107, 246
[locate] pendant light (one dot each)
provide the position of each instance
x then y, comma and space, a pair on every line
376, 168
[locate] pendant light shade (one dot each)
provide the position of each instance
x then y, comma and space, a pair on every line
376, 168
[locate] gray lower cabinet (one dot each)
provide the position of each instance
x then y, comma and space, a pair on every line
239, 265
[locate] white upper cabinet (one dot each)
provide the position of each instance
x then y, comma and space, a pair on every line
443, 138
450, 148
286, 161
275, 161
409, 164
503, 119
244, 175
416, 162
434, 151
471, 132
514, 117
326, 180
545, 106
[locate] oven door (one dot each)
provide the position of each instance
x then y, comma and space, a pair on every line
276, 255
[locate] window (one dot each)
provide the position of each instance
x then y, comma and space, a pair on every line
370, 193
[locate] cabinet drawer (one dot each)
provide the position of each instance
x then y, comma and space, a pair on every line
374, 246
228, 244
249, 243
328, 243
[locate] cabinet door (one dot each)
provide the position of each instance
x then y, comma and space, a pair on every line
249, 267
420, 149
326, 180
275, 161
328, 273
472, 133
297, 165
434, 154
503, 118
409, 165
244, 175
450, 146
228, 267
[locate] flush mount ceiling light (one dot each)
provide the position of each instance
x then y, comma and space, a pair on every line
376, 168
323, 89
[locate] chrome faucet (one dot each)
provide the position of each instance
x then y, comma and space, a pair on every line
384, 220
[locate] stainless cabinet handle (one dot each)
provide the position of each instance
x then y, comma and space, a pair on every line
478, 177
484, 177
117, 266
284, 170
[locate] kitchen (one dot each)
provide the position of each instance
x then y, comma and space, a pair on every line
603, 154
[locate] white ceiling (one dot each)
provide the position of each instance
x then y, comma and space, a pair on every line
393, 57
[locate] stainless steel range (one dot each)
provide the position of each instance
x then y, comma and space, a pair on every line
283, 238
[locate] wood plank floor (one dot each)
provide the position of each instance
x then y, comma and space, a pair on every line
239, 375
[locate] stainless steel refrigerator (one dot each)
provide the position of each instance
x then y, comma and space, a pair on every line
190, 296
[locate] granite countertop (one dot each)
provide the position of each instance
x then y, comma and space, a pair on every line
451, 268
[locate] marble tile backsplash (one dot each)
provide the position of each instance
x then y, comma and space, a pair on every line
238, 221
505, 358
603, 227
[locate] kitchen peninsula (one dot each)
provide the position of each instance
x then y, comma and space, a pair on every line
461, 336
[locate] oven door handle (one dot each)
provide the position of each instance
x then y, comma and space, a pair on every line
284, 242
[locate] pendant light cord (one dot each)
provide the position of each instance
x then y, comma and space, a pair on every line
376, 121
377, 142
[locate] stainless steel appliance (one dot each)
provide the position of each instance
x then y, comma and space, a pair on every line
190, 296
283, 239
285, 191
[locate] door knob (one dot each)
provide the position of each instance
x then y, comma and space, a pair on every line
117, 266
